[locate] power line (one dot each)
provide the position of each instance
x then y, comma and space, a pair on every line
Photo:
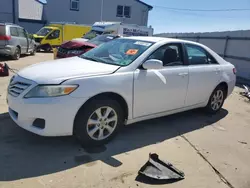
202, 10
202, 14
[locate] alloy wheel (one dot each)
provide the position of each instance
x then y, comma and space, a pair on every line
102, 123
217, 100
18, 53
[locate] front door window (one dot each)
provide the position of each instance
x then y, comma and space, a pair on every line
54, 35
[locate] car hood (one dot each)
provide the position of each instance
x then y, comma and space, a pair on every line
57, 71
77, 43
37, 36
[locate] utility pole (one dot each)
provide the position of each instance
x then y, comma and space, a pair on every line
102, 9
14, 11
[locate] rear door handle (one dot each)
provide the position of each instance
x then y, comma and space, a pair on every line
183, 74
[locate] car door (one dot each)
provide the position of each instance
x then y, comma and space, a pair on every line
204, 74
31, 41
23, 40
161, 90
54, 38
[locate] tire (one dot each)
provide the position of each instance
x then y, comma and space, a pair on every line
48, 48
91, 129
216, 100
34, 51
17, 54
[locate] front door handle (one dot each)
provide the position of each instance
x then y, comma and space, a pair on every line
183, 74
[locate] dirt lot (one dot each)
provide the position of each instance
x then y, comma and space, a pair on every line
213, 151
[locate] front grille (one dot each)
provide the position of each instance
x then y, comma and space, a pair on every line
38, 40
16, 88
62, 51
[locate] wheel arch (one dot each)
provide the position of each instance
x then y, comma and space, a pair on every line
224, 85
18, 46
108, 95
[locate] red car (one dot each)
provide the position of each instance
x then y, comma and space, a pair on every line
79, 46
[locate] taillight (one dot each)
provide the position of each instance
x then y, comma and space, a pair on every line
5, 37
234, 70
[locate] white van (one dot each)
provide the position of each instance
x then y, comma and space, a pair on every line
118, 28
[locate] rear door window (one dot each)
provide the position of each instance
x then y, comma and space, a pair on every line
13, 31
2, 30
199, 56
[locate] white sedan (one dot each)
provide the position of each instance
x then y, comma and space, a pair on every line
120, 82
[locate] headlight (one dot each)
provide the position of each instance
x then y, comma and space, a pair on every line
12, 78
50, 91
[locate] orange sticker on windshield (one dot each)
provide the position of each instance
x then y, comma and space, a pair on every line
132, 52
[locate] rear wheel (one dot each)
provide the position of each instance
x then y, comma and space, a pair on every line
216, 100
17, 54
33, 52
98, 122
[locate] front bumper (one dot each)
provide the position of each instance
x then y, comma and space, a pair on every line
57, 112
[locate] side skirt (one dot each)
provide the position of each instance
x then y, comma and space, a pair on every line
161, 114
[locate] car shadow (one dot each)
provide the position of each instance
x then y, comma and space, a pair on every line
8, 58
45, 52
25, 155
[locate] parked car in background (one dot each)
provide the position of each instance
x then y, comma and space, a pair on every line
79, 46
15, 40
54, 34
119, 82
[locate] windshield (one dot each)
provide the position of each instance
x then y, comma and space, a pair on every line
120, 52
92, 34
43, 32
102, 39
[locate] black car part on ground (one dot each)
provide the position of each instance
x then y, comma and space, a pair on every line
246, 93
5, 69
159, 170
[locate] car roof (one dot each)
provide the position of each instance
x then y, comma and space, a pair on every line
9, 24
162, 39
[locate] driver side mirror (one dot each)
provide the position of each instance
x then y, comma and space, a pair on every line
152, 64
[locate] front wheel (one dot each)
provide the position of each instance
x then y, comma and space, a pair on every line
216, 100
98, 122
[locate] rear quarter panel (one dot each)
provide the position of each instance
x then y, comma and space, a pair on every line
228, 76
15, 40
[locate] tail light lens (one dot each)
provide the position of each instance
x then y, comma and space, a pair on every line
5, 37
234, 70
